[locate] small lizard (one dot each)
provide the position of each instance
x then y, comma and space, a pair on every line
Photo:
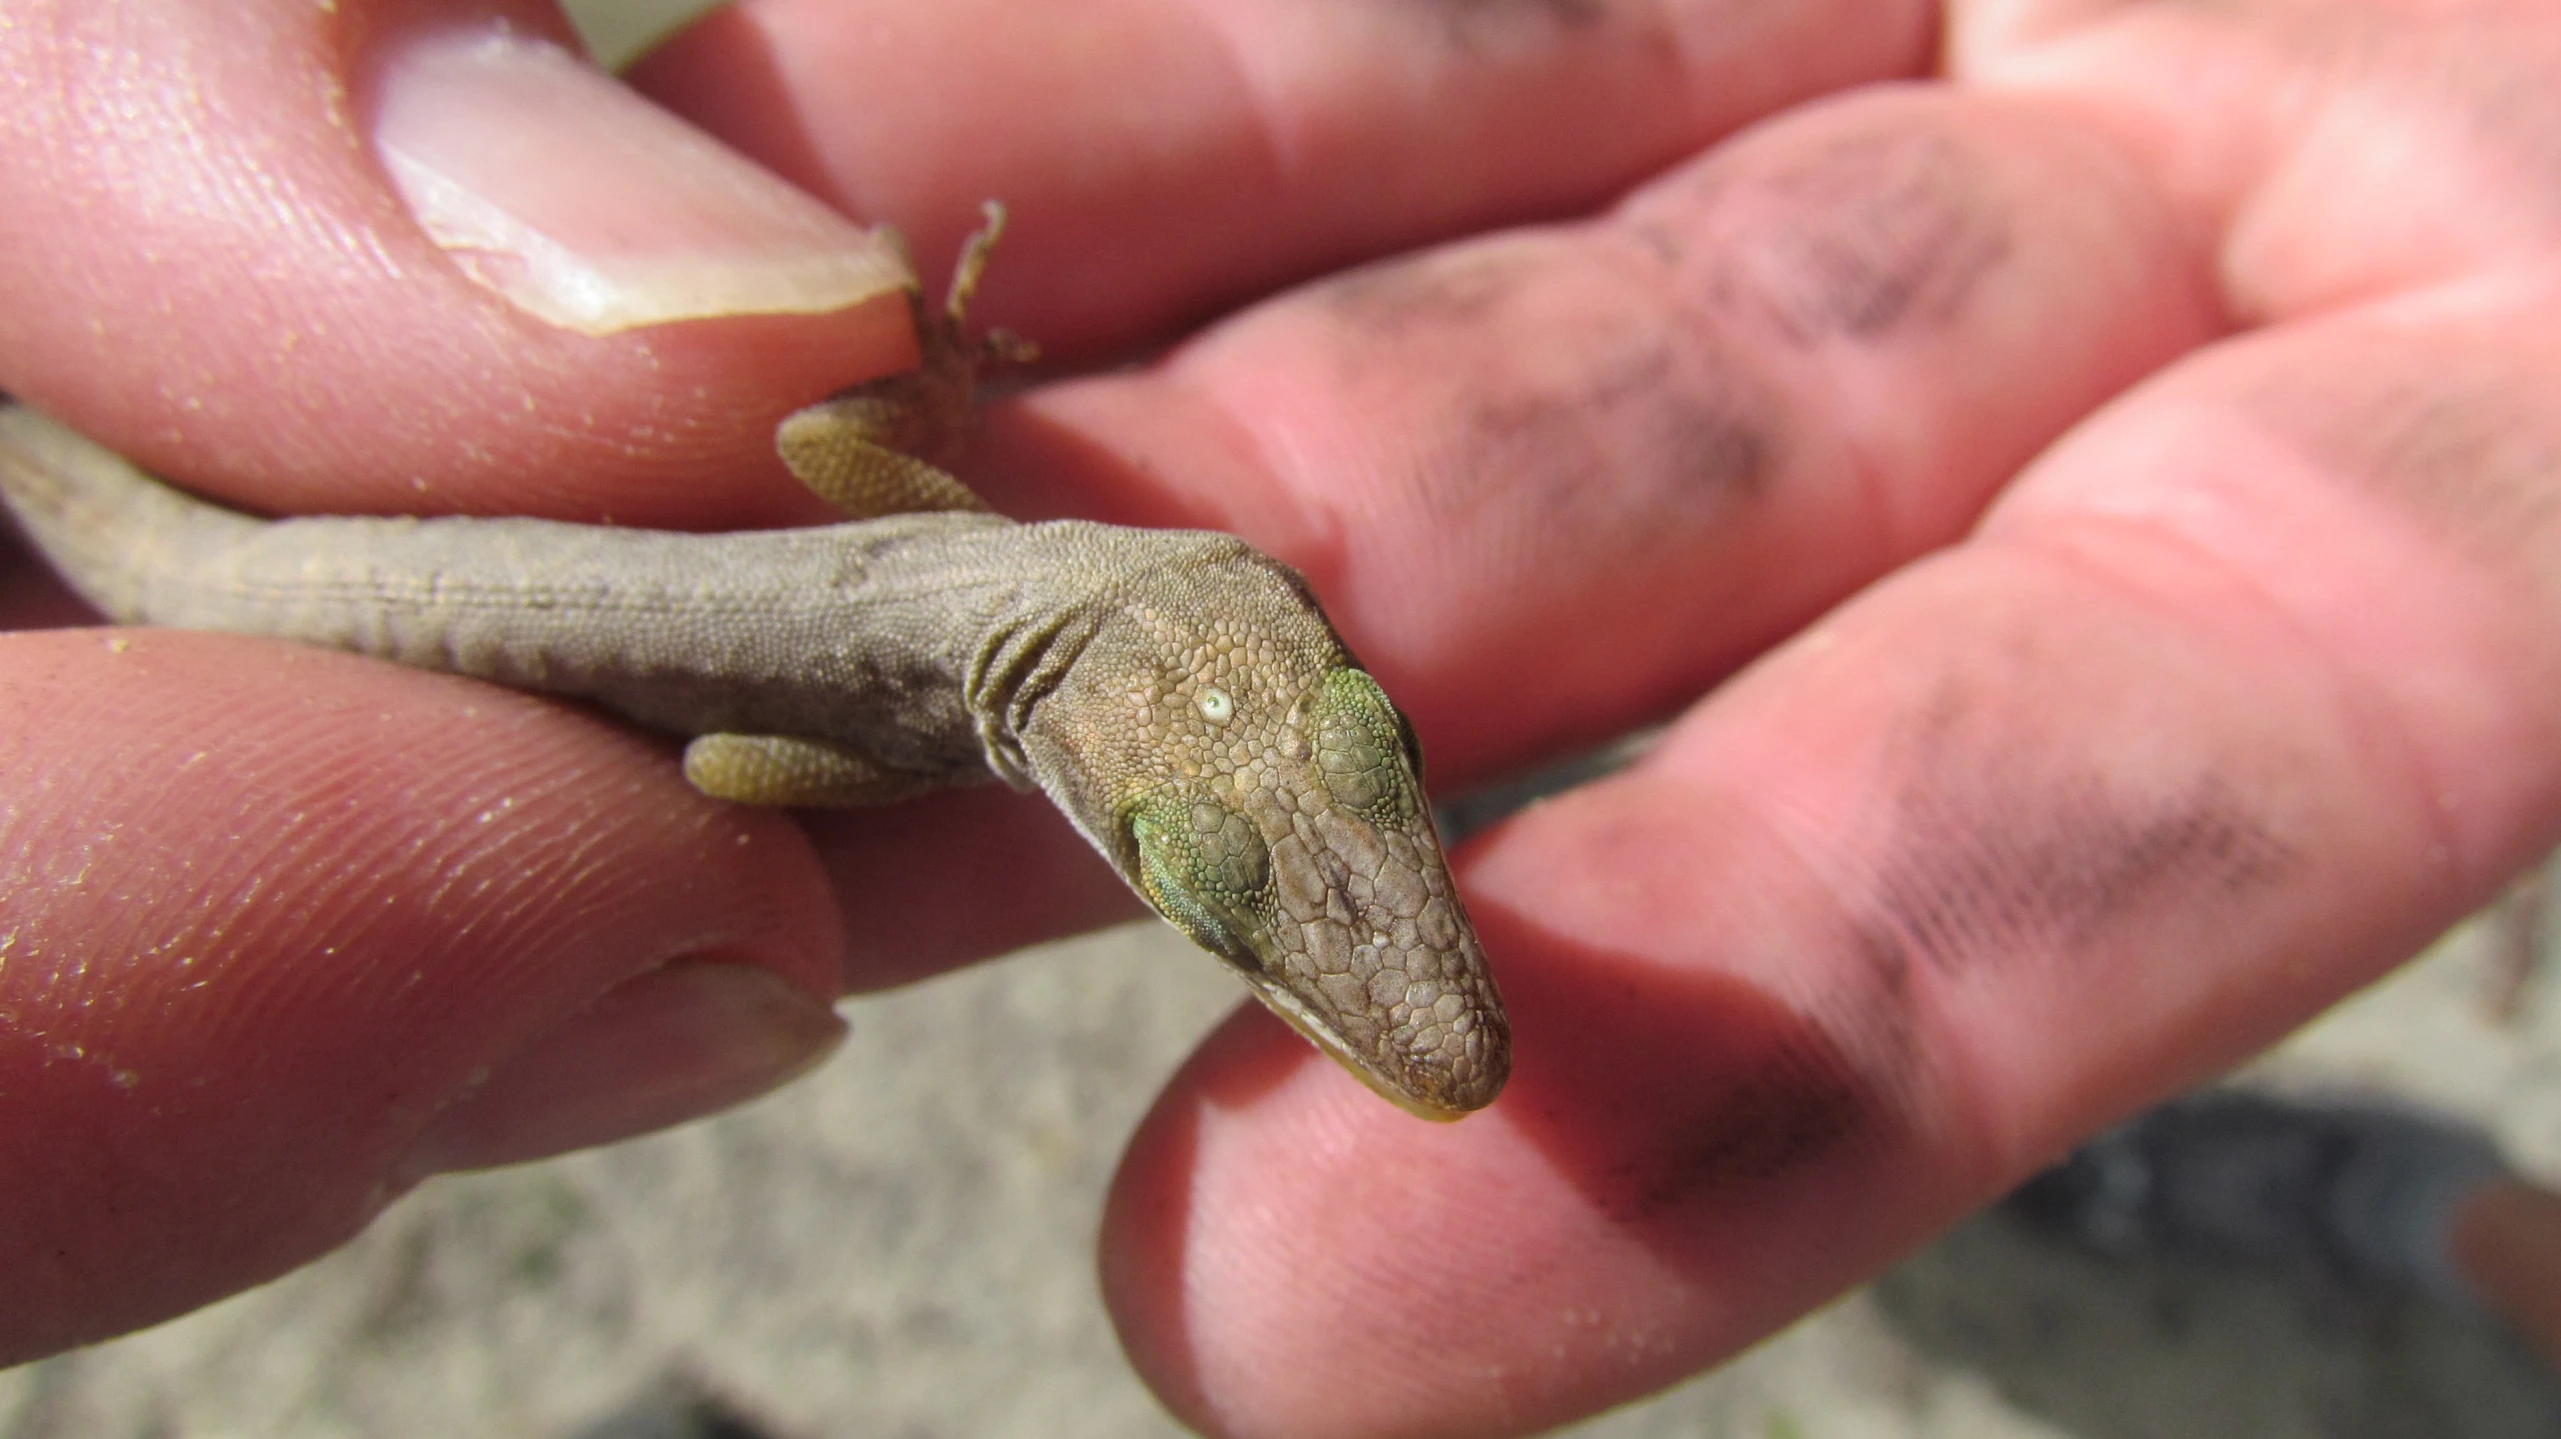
1178, 694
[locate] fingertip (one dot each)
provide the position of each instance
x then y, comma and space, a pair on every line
679, 1042
485, 278
592, 210
1689, 1152
1286, 1253
914, 881
1146, 1232
314, 903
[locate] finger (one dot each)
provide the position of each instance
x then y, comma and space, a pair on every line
410, 256
949, 881
1555, 482
2089, 808
289, 930
2327, 156
2124, 787
1273, 140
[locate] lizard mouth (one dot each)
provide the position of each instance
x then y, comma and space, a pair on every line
1342, 920
1412, 1065
1391, 1086
1399, 1089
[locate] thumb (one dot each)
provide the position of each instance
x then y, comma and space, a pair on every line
281, 931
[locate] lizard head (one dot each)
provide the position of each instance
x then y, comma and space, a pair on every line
1199, 720
1302, 852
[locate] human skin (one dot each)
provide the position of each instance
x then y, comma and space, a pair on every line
2086, 510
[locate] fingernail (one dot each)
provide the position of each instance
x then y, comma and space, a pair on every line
674, 1044
595, 210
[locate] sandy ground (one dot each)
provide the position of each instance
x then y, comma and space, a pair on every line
901, 1246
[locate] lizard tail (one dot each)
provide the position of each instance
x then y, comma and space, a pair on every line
109, 528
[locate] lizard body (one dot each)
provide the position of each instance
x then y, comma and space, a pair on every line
1176, 693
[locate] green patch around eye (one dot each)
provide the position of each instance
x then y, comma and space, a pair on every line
1364, 748
1205, 870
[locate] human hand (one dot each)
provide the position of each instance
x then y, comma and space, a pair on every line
2180, 744
2144, 732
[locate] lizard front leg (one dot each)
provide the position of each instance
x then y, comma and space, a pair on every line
875, 449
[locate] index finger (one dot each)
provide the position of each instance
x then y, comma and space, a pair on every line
1167, 157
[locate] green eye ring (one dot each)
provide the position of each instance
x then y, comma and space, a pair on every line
1358, 737
1204, 868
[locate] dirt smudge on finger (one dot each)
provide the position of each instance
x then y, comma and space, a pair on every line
1997, 843
1552, 376
1470, 26
1661, 1093
1857, 237
2446, 418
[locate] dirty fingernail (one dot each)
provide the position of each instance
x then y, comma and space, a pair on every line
671, 1045
594, 210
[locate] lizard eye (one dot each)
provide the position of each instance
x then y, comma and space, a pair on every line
1205, 869
1359, 739
1215, 704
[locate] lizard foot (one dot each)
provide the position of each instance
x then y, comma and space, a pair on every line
871, 451
847, 450
783, 770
